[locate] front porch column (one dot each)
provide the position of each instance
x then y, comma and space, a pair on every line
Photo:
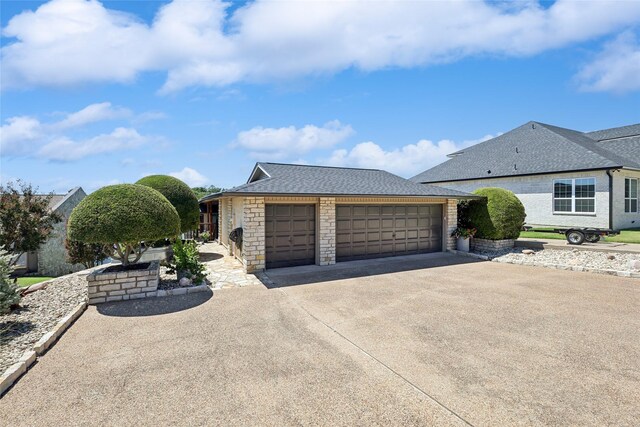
451, 223
253, 245
327, 231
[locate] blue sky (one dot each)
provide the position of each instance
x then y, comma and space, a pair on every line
99, 93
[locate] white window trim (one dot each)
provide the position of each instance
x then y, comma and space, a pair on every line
637, 198
573, 197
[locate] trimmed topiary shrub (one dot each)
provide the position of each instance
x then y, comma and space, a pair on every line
181, 197
499, 216
123, 216
9, 292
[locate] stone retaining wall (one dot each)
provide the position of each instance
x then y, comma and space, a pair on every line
123, 285
490, 245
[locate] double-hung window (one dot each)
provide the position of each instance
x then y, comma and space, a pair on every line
631, 195
576, 195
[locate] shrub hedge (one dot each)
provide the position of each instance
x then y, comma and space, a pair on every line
181, 197
123, 213
499, 216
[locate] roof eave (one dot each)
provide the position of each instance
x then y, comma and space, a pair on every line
524, 174
412, 196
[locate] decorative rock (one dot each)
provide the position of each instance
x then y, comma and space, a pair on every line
611, 256
634, 264
185, 282
528, 252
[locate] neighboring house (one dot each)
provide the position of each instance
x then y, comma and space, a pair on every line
562, 176
295, 215
51, 257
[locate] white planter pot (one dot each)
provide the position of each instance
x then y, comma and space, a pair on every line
462, 244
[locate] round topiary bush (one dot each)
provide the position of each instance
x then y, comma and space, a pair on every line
123, 216
499, 216
180, 196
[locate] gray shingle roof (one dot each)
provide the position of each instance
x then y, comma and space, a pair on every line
286, 179
613, 133
537, 148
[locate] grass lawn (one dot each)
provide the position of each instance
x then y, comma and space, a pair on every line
28, 281
631, 235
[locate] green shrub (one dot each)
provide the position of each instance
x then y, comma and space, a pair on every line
499, 216
123, 216
180, 196
186, 260
87, 254
205, 236
9, 293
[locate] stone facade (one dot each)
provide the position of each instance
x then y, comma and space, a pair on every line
479, 245
253, 237
52, 255
123, 285
327, 231
452, 222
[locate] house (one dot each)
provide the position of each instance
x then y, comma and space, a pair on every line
563, 177
51, 258
296, 215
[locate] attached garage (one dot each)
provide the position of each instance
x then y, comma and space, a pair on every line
290, 235
293, 215
374, 231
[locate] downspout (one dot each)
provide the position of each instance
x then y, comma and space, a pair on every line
610, 199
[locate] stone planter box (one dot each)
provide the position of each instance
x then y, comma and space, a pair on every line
123, 285
491, 245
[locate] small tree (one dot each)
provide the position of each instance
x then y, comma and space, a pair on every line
500, 215
25, 219
181, 197
124, 216
9, 294
87, 254
205, 191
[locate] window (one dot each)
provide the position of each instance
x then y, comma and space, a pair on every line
574, 195
631, 195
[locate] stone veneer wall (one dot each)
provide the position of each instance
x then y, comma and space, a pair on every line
253, 237
327, 231
123, 285
490, 245
452, 222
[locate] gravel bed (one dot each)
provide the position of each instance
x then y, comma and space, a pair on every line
38, 314
572, 258
170, 281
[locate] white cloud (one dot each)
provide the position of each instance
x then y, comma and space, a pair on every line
615, 69
277, 143
66, 149
192, 177
197, 43
16, 132
91, 114
405, 161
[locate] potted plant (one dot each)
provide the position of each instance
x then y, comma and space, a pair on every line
463, 235
205, 236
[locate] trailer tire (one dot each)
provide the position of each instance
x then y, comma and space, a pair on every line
575, 237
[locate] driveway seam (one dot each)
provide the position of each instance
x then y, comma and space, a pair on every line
390, 369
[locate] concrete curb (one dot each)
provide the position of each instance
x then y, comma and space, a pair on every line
619, 273
15, 371
182, 291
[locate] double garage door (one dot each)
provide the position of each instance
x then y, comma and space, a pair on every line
362, 231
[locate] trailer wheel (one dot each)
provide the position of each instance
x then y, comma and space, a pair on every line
575, 237
593, 238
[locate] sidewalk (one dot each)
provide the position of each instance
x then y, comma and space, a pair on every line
564, 245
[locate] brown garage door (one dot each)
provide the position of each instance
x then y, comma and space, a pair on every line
290, 235
372, 231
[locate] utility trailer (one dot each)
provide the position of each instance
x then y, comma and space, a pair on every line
578, 235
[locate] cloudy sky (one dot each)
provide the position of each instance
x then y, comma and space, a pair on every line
94, 93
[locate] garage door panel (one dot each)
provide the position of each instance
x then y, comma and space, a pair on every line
387, 230
289, 235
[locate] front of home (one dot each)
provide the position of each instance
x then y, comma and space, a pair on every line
298, 215
563, 177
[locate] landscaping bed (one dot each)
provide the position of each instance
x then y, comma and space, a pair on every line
38, 314
169, 281
600, 262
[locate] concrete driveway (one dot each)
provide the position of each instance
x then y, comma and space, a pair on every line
430, 341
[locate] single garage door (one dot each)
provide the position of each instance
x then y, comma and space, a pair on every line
372, 231
290, 235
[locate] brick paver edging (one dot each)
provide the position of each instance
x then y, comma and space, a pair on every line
619, 273
15, 371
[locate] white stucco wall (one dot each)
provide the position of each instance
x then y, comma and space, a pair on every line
621, 219
536, 194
